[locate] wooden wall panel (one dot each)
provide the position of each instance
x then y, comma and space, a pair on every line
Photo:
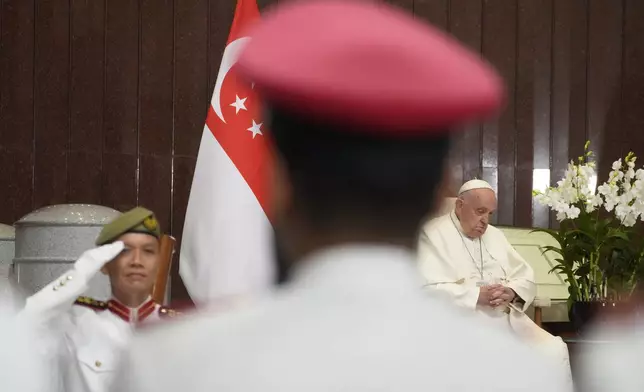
562, 54
191, 92
87, 83
156, 104
499, 136
605, 21
578, 69
465, 24
435, 12
632, 120
182, 181
155, 184
16, 108
16, 76
191, 99
119, 181
51, 101
220, 18
407, 5
156, 77
87, 92
121, 109
532, 108
104, 101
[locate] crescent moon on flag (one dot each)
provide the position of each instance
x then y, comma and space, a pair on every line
231, 54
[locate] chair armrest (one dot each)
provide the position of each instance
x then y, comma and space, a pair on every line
542, 302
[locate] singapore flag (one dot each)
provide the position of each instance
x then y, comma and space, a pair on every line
226, 250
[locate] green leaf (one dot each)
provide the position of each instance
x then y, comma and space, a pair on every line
566, 262
553, 233
550, 248
559, 237
558, 268
618, 234
583, 233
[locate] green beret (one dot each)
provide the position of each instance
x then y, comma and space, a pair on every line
137, 220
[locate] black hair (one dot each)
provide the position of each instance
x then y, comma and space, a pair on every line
344, 174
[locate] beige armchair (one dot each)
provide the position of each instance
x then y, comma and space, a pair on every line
552, 289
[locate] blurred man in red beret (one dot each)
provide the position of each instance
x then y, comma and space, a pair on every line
361, 102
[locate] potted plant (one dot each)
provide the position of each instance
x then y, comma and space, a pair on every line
600, 249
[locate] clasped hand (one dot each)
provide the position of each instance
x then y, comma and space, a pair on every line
495, 295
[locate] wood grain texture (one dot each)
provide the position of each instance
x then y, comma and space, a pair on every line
532, 107
191, 92
156, 77
155, 187
632, 120
87, 83
499, 136
436, 12
605, 21
121, 109
465, 24
51, 101
17, 75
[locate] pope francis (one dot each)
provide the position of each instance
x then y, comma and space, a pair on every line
470, 261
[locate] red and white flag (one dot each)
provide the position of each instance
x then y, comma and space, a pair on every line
226, 251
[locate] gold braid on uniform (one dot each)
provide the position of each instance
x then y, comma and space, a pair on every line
91, 303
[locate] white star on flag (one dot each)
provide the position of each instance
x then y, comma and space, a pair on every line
239, 104
256, 129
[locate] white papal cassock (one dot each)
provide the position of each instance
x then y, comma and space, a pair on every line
455, 266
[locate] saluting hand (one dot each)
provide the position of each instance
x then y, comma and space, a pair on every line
93, 260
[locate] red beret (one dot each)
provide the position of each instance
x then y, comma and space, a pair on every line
367, 64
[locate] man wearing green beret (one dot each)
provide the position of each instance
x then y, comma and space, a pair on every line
81, 336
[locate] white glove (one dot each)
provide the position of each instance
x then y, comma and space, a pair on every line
93, 260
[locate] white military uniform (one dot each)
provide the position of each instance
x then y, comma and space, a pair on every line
20, 369
353, 319
456, 266
81, 340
